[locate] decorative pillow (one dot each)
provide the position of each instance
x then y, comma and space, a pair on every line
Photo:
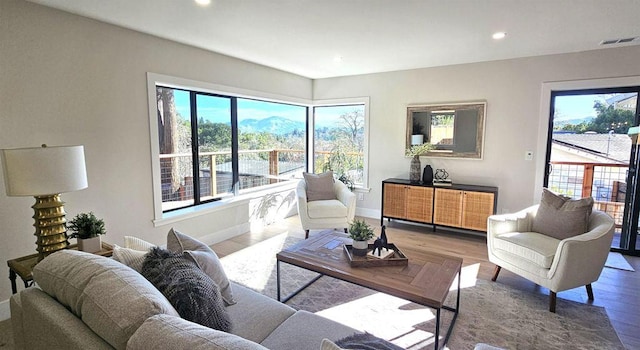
204, 257
562, 217
137, 243
329, 345
366, 341
191, 292
130, 257
319, 186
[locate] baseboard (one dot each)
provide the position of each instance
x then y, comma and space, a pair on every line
368, 213
5, 312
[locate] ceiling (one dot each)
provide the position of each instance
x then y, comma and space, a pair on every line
305, 36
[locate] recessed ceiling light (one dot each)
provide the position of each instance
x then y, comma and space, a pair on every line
499, 35
203, 2
337, 59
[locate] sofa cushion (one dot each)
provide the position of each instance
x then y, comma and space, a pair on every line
255, 315
164, 332
130, 257
329, 345
532, 246
305, 331
326, 209
192, 293
204, 257
562, 217
80, 281
319, 186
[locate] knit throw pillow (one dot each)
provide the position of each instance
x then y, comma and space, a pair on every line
189, 290
561, 217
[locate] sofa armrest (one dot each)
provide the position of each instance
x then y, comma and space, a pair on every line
61, 329
166, 332
348, 198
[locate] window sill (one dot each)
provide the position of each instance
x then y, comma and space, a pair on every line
223, 204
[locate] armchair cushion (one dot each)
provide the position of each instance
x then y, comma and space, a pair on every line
327, 209
534, 247
561, 217
319, 186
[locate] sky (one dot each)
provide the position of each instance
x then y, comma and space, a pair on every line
573, 107
217, 110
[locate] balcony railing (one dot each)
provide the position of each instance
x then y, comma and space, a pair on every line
256, 168
606, 183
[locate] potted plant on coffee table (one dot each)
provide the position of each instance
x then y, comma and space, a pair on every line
87, 228
361, 233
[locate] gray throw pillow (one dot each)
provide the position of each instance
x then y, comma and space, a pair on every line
319, 186
191, 292
204, 257
562, 217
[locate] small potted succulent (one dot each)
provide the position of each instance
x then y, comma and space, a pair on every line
87, 228
361, 233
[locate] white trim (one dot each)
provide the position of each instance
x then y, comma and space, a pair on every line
5, 312
545, 110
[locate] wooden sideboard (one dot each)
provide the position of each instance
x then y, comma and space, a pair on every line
459, 206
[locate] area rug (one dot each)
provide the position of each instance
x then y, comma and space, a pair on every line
490, 313
616, 260
6, 335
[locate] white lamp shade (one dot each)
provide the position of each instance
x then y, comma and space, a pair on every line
43, 171
417, 139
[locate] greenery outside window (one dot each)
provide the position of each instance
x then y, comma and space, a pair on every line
340, 141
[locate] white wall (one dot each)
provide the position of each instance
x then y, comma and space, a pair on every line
65, 79
515, 122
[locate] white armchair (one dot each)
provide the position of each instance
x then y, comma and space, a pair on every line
549, 262
323, 214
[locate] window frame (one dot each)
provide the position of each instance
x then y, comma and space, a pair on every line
154, 79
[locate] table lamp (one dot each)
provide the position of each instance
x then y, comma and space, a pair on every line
45, 172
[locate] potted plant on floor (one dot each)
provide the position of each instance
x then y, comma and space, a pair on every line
361, 233
87, 228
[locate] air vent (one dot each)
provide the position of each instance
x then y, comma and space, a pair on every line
618, 41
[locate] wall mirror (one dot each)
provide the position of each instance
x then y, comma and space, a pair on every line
456, 130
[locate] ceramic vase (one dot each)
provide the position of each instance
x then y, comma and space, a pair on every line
90, 245
360, 248
414, 171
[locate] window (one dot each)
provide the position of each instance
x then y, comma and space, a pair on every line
213, 146
212, 142
339, 142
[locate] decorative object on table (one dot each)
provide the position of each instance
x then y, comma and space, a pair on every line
361, 233
46, 172
441, 178
87, 228
395, 258
381, 242
427, 175
415, 151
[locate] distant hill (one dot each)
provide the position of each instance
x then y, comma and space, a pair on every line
575, 121
275, 125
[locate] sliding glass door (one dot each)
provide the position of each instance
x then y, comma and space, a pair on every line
590, 154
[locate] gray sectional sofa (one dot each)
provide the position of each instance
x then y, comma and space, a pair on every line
84, 301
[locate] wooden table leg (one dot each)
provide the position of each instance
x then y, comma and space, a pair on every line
12, 277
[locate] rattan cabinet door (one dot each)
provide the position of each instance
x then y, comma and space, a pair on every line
476, 208
447, 207
419, 203
395, 197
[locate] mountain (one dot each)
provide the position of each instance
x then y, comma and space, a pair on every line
573, 121
275, 125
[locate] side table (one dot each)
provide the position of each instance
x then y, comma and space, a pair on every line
23, 266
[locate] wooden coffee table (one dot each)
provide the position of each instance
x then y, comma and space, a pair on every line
425, 280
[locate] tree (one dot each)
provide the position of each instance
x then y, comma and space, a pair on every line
353, 124
611, 118
168, 134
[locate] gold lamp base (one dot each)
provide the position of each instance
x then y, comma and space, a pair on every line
50, 224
